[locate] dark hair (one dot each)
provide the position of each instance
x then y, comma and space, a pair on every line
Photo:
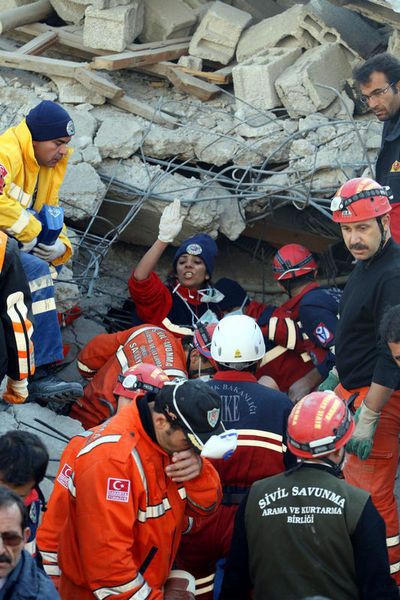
160, 407
23, 458
250, 369
390, 325
9, 498
383, 63
294, 282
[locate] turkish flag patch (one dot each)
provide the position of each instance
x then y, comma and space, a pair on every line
118, 489
3, 171
323, 335
64, 475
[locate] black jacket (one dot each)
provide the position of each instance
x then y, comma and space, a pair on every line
388, 169
15, 306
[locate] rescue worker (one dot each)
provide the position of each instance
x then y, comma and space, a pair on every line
313, 307
187, 296
368, 376
134, 382
134, 481
286, 359
307, 532
33, 160
379, 82
390, 331
16, 349
109, 354
259, 415
23, 463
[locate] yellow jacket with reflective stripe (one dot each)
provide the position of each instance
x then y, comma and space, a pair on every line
22, 172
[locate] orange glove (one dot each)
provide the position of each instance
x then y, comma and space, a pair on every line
16, 392
180, 585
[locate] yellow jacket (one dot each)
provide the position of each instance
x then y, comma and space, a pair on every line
21, 172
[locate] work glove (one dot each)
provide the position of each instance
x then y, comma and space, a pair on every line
16, 392
180, 585
170, 222
330, 382
50, 253
362, 439
27, 246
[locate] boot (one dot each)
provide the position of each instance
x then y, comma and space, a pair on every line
46, 387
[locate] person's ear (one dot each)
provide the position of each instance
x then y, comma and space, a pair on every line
207, 277
26, 534
160, 421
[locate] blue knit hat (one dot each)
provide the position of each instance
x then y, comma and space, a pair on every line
201, 245
49, 121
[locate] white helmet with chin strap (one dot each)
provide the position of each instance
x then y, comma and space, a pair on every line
237, 342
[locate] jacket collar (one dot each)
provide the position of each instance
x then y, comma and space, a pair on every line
391, 129
234, 376
292, 303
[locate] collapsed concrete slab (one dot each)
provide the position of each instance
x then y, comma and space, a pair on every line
71, 91
69, 11
119, 136
254, 79
7, 4
165, 19
298, 86
81, 191
381, 12
218, 33
113, 28
259, 9
354, 30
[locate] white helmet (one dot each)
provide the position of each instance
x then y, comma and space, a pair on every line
237, 342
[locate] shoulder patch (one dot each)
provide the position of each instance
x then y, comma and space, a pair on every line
118, 489
323, 334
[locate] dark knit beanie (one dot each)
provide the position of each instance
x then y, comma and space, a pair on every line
201, 245
234, 294
49, 121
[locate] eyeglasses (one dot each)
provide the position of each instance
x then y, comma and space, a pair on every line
11, 539
375, 94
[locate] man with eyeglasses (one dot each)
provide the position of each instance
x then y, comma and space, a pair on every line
20, 578
379, 82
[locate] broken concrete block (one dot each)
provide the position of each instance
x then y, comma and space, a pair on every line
81, 191
217, 35
67, 293
69, 11
191, 62
298, 86
254, 79
70, 91
119, 136
296, 27
394, 43
113, 28
7, 4
164, 19
91, 155
352, 28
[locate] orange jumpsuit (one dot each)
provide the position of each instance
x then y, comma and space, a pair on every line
125, 516
54, 518
109, 354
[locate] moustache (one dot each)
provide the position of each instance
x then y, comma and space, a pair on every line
4, 559
358, 247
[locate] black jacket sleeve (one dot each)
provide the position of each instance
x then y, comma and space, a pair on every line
236, 584
371, 558
15, 314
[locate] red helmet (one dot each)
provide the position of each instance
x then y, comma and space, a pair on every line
360, 199
292, 260
202, 338
143, 376
319, 424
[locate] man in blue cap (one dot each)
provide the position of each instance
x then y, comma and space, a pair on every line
33, 161
187, 296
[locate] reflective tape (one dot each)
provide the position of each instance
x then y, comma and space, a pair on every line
394, 568
16, 192
41, 283
273, 322
106, 592
291, 333
106, 439
208, 582
71, 486
41, 306
392, 541
259, 444
139, 465
20, 224
155, 511
82, 367
52, 570
272, 354
49, 557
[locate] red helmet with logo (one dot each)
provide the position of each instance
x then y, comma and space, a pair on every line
360, 199
292, 260
143, 376
318, 425
202, 338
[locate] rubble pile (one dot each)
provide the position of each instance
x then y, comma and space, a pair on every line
239, 108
